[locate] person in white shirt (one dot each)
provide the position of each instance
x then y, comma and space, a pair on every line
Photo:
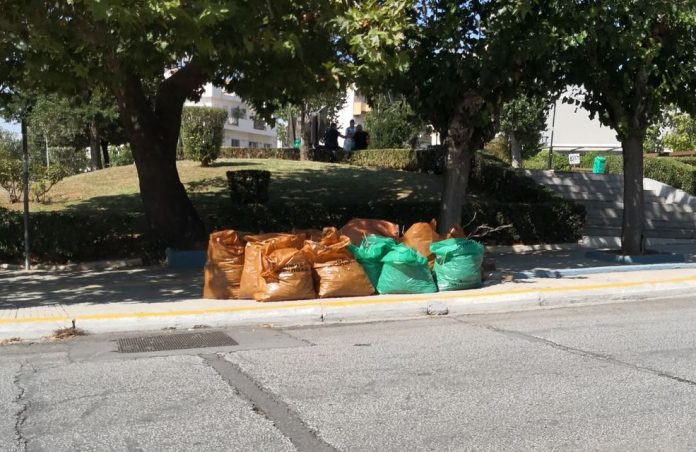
349, 142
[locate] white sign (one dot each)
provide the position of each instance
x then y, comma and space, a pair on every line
574, 159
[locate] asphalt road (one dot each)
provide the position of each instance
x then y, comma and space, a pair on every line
617, 377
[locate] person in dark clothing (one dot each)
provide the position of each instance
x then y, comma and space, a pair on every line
361, 138
331, 137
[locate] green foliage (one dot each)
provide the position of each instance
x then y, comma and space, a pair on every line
682, 133
672, 172
11, 177
54, 121
259, 153
425, 161
498, 149
73, 161
525, 117
121, 155
63, 237
43, 178
201, 133
541, 159
392, 123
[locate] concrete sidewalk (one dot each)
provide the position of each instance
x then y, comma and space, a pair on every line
33, 304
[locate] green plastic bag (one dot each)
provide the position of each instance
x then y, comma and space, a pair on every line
457, 263
405, 271
370, 253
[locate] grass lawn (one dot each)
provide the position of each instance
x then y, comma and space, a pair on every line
116, 189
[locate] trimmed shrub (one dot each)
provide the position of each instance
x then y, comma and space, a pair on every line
541, 159
64, 237
201, 133
688, 160
671, 172
248, 186
555, 221
260, 153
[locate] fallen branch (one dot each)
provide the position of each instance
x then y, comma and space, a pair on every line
483, 230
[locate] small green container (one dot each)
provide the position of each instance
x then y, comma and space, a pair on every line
599, 164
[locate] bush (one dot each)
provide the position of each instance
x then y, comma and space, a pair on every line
72, 161
248, 186
613, 163
498, 149
431, 160
201, 133
11, 177
260, 153
42, 179
63, 237
121, 155
671, 172
541, 159
554, 221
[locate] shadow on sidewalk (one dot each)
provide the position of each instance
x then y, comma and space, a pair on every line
142, 285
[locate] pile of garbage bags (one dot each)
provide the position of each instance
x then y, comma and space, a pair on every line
363, 258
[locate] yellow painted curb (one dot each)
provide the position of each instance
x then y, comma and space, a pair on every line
361, 301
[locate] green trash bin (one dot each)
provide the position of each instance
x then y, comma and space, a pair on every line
599, 164
296, 144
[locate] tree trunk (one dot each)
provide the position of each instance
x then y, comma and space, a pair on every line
95, 162
105, 153
305, 133
456, 178
515, 151
633, 227
154, 135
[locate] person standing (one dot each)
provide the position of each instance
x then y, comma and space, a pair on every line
349, 142
361, 139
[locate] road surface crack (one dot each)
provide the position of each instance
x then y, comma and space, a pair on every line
586, 353
21, 400
266, 404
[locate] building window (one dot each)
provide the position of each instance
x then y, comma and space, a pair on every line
253, 144
259, 124
234, 143
266, 145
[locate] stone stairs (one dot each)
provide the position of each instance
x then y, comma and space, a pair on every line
670, 214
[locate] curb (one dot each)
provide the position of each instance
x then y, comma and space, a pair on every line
84, 266
359, 309
566, 272
516, 249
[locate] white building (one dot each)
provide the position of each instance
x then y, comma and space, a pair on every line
242, 130
573, 130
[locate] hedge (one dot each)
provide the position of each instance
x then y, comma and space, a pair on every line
557, 221
430, 160
260, 153
671, 172
63, 237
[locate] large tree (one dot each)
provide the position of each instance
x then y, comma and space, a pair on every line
633, 58
462, 60
152, 55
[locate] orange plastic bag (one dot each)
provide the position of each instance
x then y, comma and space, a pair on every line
357, 229
286, 274
249, 282
337, 272
456, 232
309, 234
223, 270
420, 236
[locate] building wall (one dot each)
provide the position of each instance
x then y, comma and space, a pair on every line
238, 132
574, 129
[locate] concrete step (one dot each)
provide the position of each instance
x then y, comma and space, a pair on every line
650, 224
575, 183
674, 234
654, 212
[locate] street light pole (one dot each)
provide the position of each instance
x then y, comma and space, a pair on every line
553, 126
25, 183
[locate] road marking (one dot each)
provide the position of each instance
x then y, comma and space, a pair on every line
358, 301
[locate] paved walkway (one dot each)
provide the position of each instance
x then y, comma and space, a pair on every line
32, 304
